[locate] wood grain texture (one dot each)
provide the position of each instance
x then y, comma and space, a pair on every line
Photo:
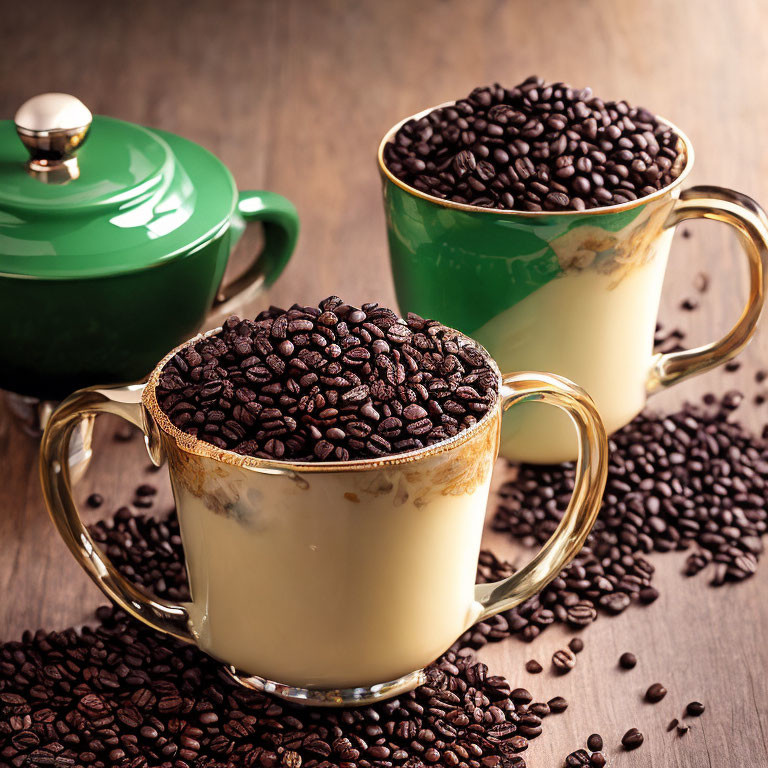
294, 97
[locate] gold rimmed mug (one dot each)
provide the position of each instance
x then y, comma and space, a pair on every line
576, 293
328, 583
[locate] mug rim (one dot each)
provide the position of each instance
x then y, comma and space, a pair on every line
687, 153
198, 447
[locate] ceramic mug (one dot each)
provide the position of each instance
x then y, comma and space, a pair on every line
328, 583
573, 292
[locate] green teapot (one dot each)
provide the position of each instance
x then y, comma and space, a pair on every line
114, 239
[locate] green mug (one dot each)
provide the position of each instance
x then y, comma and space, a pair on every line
575, 293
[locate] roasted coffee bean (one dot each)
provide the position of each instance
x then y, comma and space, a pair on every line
557, 705
95, 500
576, 645
363, 384
598, 760
627, 660
521, 696
682, 729
578, 758
595, 743
632, 739
648, 595
533, 667
508, 148
581, 613
672, 724
655, 693
694, 709
563, 660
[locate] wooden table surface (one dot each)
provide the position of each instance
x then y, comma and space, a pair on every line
294, 96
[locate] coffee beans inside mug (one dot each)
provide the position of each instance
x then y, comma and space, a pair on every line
536, 146
327, 383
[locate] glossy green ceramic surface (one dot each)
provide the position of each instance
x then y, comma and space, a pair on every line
143, 197
100, 276
466, 267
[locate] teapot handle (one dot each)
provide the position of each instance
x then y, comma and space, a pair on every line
280, 220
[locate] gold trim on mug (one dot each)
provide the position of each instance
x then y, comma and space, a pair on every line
686, 157
198, 447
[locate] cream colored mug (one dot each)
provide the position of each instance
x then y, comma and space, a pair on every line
572, 292
329, 583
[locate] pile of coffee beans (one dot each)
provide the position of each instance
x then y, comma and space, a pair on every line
572, 598
146, 551
327, 383
537, 146
690, 480
123, 695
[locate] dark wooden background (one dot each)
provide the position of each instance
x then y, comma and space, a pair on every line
294, 97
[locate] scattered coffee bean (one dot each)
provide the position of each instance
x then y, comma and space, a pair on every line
648, 595
732, 365
673, 724
123, 695
655, 693
95, 500
146, 490
627, 660
682, 729
597, 759
632, 739
694, 709
563, 660
686, 233
595, 743
327, 383
576, 645
557, 705
537, 146
533, 667
578, 758
689, 305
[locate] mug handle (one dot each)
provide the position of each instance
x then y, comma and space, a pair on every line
591, 475
751, 223
162, 615
281, 229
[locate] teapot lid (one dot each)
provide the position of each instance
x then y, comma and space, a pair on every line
88, 196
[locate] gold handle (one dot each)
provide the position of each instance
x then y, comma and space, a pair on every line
750, 221
125, 402
591, 474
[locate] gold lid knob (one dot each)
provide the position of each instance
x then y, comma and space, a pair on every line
53, 126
